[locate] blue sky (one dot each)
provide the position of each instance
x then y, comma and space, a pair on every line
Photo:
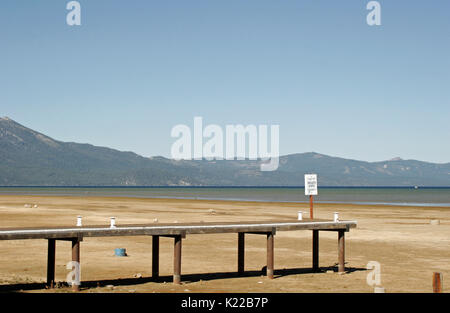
135, 69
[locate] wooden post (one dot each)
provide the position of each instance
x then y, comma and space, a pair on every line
341, 248
51, 263
76, 258
437, 282
315, 251
177, 260
270, 257
155, 257
241, 253
311, 214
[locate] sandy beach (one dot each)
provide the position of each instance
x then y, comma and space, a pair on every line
402, 239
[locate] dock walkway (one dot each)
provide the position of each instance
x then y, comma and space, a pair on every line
179, 231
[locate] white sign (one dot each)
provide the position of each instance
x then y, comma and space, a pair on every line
311, 185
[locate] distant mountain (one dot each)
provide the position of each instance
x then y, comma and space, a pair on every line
29, 158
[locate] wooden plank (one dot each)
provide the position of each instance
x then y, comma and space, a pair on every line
171, 229
305, 220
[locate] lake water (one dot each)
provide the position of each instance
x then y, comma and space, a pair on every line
357, 195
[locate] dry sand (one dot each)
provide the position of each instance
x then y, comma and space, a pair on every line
401, 239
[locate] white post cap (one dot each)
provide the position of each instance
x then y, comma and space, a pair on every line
336, 216
113, 222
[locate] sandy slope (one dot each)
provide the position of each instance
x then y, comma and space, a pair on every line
401, 239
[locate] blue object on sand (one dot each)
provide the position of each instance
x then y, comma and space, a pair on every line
120, 252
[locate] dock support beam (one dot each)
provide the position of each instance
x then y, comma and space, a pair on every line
315, 251
76, 263
177, 260
155, 257
341, 248
51, 263
270, 257
241, 253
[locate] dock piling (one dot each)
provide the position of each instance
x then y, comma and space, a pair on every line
341, 248
177, 260
76, 258
437, 282
241, 253
155, 257
315, 251
270, 255
51, 263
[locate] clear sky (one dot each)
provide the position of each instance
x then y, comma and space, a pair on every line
134, 69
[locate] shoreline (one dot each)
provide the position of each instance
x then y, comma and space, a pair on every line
234, 200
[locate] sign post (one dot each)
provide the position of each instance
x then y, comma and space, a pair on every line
311, 191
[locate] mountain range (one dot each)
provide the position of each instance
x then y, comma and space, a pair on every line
29, 158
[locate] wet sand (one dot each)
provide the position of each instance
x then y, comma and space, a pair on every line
408, 248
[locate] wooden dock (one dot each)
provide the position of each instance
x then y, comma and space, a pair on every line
179, 231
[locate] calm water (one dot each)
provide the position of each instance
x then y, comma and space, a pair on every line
363, 195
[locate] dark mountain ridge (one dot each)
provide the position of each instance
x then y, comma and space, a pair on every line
29, 158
